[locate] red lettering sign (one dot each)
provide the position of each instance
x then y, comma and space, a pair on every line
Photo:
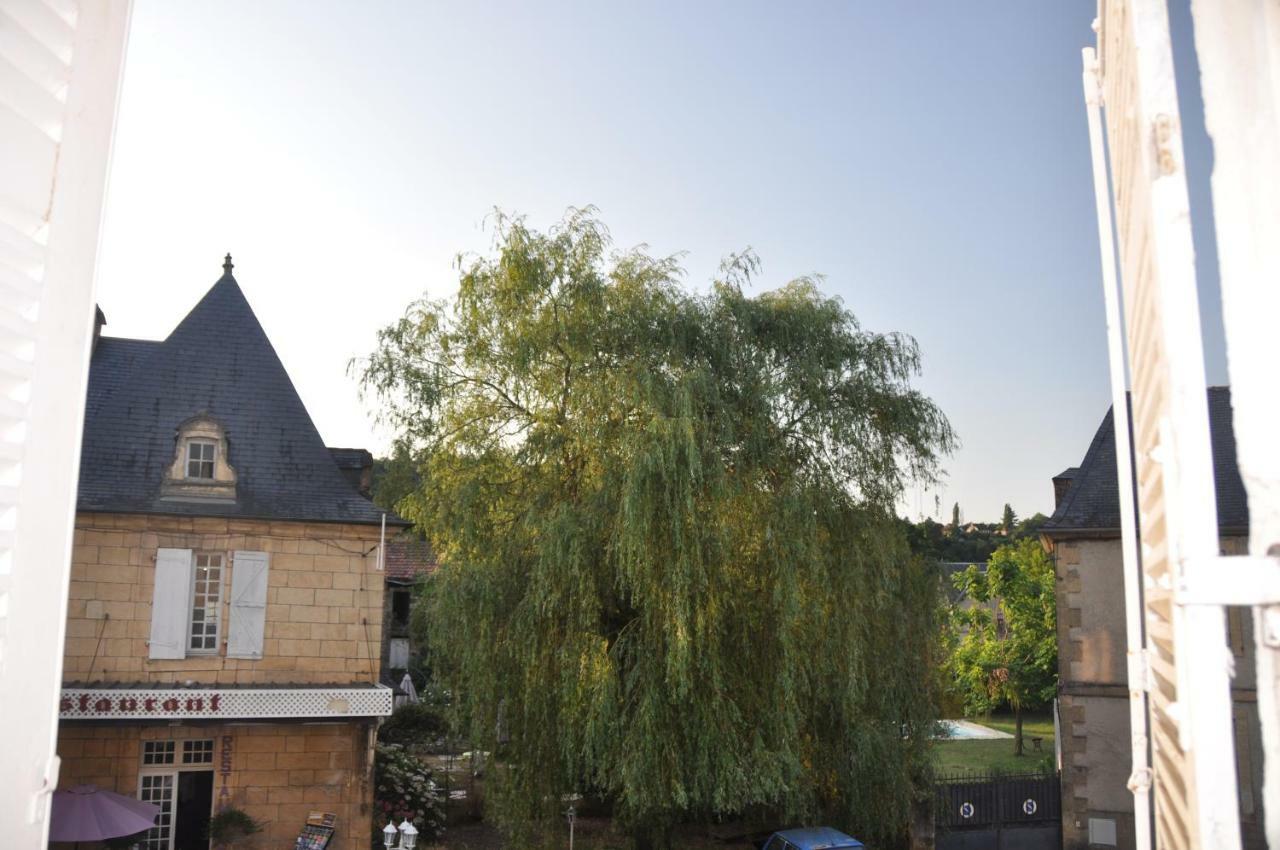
86, 704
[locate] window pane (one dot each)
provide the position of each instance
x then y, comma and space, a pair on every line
200, 460
197, 752
206, 603
157, 752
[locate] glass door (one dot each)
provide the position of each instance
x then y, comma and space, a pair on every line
159, 788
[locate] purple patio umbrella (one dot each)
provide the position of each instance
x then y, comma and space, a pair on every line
87, 813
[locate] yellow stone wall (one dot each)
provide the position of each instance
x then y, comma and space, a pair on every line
324, 600
279, 772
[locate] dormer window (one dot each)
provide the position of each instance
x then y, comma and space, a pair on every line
201, 468
200, 455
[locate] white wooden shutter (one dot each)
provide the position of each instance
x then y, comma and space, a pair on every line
60, 71
1189, 699
1238, 44
398, 653
248, 604
171, 603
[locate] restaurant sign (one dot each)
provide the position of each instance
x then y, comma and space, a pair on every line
222, 704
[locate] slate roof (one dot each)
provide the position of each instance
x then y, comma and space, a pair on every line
1093, 500
217, 362
408, 558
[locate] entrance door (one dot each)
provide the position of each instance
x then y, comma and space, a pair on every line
185, 799
195, 807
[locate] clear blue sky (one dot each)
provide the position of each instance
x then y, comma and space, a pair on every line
930, 160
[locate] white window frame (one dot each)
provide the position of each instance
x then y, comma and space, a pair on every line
147, 843
212, 459
217, 609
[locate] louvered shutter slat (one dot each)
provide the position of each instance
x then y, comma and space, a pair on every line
170, 603
249, 574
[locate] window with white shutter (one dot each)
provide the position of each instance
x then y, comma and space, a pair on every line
170, 604
248, 604
398, 653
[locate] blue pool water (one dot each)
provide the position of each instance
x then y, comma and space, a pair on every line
964, 730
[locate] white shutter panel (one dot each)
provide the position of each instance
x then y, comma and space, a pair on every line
248, 604
171, 603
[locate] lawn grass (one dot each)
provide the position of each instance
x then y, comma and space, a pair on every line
997, 755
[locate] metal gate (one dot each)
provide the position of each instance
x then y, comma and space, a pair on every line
1016, 812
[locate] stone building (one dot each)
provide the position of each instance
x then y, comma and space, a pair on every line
223, 639
1083, 535
407, 561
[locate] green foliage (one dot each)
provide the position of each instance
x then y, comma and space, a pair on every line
415, 724
403, 789
1012, 660
955, 517
671, 570
1009, 520
395, 476
230, 826
1030, 527
932, 541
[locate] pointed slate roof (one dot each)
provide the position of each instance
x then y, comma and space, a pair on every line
1092, 503
218, 362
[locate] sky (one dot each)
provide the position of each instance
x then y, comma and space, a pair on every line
931, 161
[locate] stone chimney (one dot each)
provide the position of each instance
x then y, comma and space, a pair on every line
357, 467
1062, 483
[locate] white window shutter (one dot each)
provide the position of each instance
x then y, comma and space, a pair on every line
398, 653
248, 604
171, 603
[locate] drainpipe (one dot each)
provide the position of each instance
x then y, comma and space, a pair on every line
1140, 777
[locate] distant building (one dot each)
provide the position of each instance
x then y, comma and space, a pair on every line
408, 559
1083, 535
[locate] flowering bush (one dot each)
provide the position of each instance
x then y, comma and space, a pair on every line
404, 790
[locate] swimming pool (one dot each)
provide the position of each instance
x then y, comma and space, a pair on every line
965, 730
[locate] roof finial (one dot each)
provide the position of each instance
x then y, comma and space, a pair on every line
227, 265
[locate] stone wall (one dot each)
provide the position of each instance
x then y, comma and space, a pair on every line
1094, 692
279, 772
324, 600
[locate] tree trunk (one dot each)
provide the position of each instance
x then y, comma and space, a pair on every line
1017, 730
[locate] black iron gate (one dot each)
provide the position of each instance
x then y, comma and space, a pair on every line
1017, 812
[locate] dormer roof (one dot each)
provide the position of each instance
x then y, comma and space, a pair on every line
217, 362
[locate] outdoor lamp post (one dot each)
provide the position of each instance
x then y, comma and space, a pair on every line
408, 836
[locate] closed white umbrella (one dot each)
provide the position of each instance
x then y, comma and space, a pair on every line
410, 692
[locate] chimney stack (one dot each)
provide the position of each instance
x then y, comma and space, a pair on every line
1062, 483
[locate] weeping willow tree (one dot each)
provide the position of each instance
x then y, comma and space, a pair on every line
671, 571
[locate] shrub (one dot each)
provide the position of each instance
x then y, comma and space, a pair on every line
230, 826
414, 723
403, 789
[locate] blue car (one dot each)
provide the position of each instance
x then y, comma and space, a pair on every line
811, 838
